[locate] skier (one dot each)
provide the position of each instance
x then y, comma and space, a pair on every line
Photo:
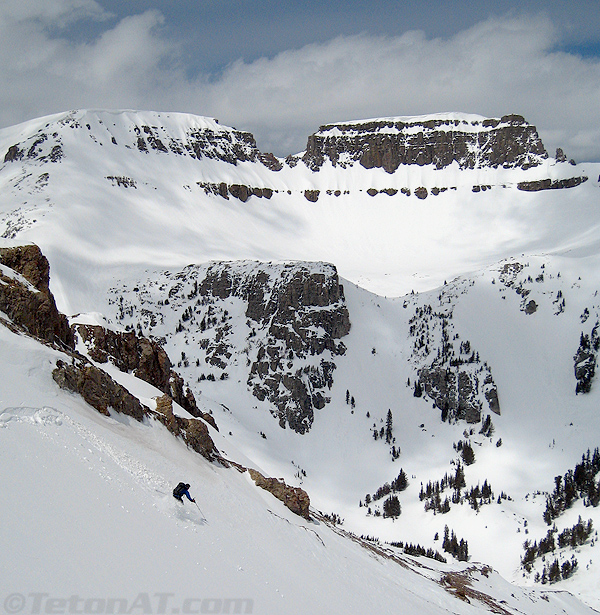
180, 491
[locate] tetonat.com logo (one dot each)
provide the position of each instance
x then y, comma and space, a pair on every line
143, 604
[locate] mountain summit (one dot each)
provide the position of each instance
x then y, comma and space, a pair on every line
400, 323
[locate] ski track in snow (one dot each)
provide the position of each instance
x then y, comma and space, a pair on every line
48, 416
373, 241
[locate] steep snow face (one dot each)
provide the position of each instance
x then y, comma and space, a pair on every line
89, 525
514, 327
184, 135
115, 204
167, 190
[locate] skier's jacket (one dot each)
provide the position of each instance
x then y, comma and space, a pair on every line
181, 490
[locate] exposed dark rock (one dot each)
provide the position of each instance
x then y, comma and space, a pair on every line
30, 306
270, 161
508, 142
33, 310
223, 190
230, 145
455, 379
295, 318
421, 192
145, 358
311, 195
35, 150
30, 263
239, 191
291, 318
193, 431
452, 392
124, 182
56, 154
226, 144
13, 153
295, 498
549, 184
585, 360
491, 394
98, 389
154, 140
531, 307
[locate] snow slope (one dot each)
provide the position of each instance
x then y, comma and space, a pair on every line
89, 525
544, 427
108, 214
78, 212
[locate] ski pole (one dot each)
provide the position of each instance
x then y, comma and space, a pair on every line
198, 507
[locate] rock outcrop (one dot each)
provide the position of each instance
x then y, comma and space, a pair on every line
469, 141
549, 184
291, 315
193, 431
26, 299
146, 133
453, 391
98, 389
104, 394
145, 358
456, 380
302, 313
25, 295
295, 498
238, 191
585, 360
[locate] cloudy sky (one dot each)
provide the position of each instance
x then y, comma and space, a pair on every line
282, 68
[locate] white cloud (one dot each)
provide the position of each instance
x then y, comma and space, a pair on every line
494, 68
497, 67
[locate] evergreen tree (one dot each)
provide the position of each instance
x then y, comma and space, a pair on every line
388, 427
418, 390
468, 454
391, 507
401, 482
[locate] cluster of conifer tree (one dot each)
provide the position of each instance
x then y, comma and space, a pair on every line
387, 431
417, 549
466, 452
334, 518
456, 548
391, 506
476, 496
400, 483
577, 483
569, 537
554, 571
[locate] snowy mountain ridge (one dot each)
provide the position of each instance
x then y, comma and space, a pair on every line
128, 468
207, 205
431, 420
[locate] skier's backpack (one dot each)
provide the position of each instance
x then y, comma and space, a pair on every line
180, 490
